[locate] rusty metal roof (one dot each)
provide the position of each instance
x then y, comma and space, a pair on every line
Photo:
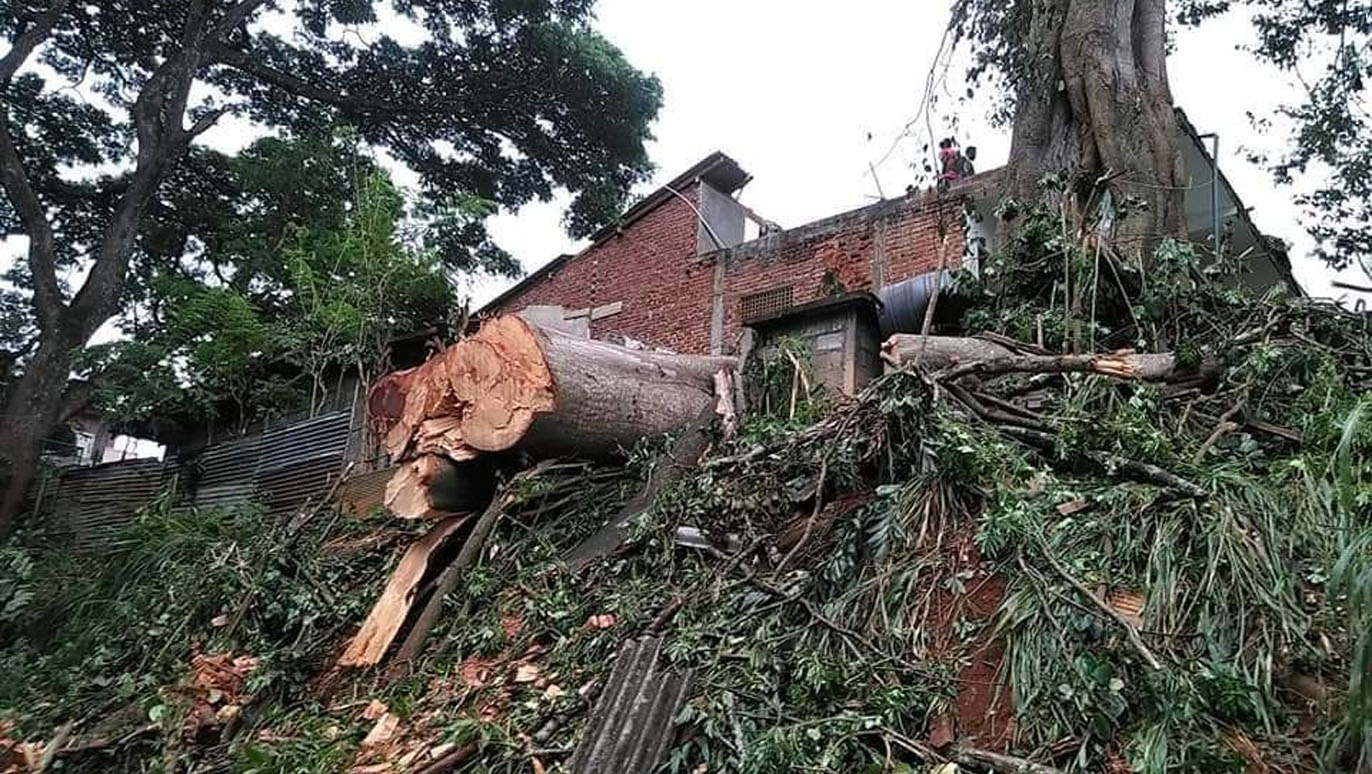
633, 724
281, 469
362, 492
222, 475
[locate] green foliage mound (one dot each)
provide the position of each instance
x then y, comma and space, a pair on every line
895, 583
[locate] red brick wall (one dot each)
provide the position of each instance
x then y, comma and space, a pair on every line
904, 234
650, 267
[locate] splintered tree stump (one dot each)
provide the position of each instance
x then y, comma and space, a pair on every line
432, 485
372, 640
518, 385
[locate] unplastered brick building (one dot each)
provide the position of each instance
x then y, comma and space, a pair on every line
679, 271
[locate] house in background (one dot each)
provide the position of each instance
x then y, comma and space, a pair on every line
677, 272
687, 268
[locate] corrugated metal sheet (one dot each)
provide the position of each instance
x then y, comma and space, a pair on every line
222, 474
281, 469
632, 724
90, 505
364, 491
300, 461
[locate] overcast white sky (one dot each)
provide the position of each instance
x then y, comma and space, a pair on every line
791, 88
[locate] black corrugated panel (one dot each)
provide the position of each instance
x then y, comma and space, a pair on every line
633, 723
299, 461
222, 475
91, 505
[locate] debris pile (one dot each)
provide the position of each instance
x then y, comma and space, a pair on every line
1099, 524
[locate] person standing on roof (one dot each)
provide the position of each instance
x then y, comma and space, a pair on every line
954, 164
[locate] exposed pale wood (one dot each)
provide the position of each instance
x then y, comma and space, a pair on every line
726, 404
544, 391
391, 608
607, 310
447, 580
432, 485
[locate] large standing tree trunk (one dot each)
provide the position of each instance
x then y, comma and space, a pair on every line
41, 397
1095, 102
37, 401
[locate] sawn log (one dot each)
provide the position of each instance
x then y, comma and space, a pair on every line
518, 385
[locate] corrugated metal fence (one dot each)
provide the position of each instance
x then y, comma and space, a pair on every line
279, 468
88, 505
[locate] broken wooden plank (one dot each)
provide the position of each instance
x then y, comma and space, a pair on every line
374, 638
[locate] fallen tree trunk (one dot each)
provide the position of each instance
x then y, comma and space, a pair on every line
518, 385
962, 356
679, 460
939, 351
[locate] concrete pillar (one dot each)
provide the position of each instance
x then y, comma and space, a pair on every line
717, 306
878, 261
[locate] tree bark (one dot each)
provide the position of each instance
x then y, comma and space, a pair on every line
936, 352
1095, 104
34, 404
545, 392
963, 356
609, 397
681, 458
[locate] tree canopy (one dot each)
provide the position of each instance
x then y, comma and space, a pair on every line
309, 261
1323, 45
500, 101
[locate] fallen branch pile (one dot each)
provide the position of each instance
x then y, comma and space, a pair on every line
1005, 555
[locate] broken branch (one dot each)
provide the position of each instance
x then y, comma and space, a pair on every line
961, 356
1133, 634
